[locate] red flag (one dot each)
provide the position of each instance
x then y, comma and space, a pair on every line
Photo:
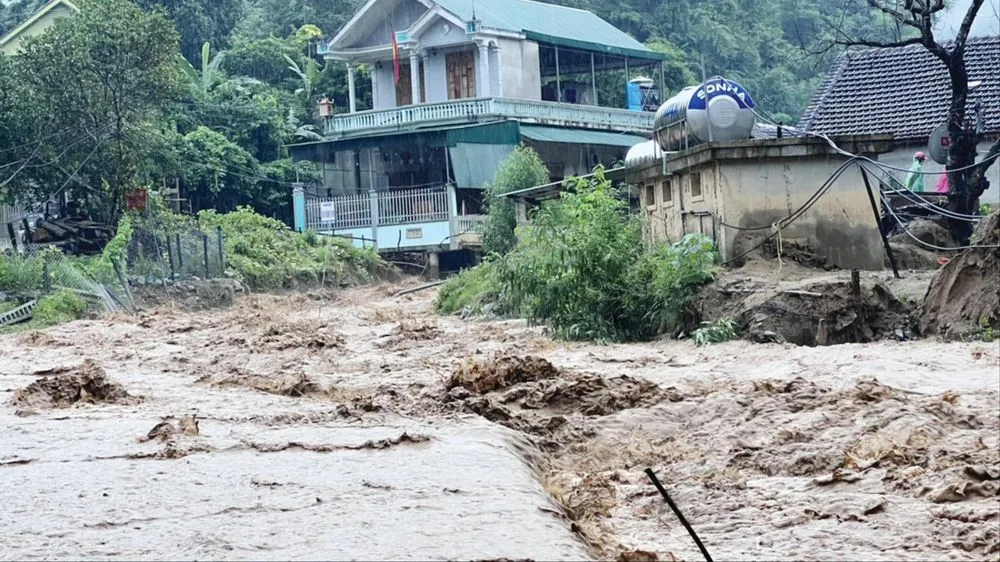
395, 58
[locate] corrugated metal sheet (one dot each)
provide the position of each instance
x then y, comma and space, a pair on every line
579, 136
549, 23
475, 165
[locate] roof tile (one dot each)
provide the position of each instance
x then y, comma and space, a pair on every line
904, 91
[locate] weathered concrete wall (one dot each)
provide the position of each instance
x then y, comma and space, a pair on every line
756, 184
840, 226
902, 157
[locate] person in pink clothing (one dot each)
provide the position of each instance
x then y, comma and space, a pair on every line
942, 184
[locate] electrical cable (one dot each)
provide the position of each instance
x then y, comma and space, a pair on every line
865, 158
797, 214
932, 246
925, 204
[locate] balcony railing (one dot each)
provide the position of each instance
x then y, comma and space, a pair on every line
486, 109
401, 207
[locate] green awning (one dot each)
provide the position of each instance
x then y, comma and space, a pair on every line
579, 136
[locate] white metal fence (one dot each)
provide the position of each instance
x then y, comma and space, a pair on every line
8, 214
388, 208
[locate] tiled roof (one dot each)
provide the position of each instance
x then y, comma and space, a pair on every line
548, 21
903, 91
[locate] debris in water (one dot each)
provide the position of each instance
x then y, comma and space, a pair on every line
500, 371
87, 383
171, 427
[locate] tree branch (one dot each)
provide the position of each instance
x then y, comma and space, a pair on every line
878, 44
970, 16
896, 14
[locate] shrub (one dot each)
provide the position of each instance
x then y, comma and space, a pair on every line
720, 331
64, 306
582, 268
469, 291
265, 254
521, 169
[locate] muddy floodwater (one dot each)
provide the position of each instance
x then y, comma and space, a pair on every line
358, 425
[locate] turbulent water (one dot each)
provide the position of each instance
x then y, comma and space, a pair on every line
324, 428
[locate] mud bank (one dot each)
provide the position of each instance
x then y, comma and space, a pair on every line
357, 425
778, 304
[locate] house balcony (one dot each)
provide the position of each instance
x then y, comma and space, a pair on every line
423, 219
479, 110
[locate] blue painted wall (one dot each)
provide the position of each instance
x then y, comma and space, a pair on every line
389, 237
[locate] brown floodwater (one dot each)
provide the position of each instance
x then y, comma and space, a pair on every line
321, 434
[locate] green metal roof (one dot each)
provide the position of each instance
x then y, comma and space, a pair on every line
579, 136
548, 23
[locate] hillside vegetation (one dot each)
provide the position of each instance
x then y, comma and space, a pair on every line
233, 82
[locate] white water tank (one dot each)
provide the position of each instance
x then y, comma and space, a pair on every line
717, 110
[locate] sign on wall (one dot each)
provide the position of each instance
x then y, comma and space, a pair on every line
327, 212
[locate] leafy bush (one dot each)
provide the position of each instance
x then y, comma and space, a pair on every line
265, 254
521, 169
20, 274
470, 290
582, 268
720, 331
64, 306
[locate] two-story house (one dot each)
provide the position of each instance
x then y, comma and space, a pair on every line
457, 84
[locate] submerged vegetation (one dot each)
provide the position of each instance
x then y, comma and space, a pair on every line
582, 269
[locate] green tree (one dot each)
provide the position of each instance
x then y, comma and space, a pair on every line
521, 169
91, 79
200, 22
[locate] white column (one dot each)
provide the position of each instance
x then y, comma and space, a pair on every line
351, 95
375, 73
414, 77
425, 59
484, 71
499, 61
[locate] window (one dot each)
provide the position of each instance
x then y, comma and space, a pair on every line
650, 195
667, 192
695, 185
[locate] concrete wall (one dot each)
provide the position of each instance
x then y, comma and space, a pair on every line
902, 157
756, 191
840, 226
403, 236
385, 88
519, 64
37, 28
400, 17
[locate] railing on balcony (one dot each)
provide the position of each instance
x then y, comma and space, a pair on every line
483, 109
411, 206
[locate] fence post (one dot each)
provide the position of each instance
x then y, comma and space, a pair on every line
222, 253
204, 244
46, 277
373, 203
170, 258
299, 206
453, 215
180, 253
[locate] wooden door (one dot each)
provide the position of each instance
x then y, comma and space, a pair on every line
461, 75
404, 90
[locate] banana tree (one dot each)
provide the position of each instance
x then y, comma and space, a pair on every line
309, 76
209, 68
